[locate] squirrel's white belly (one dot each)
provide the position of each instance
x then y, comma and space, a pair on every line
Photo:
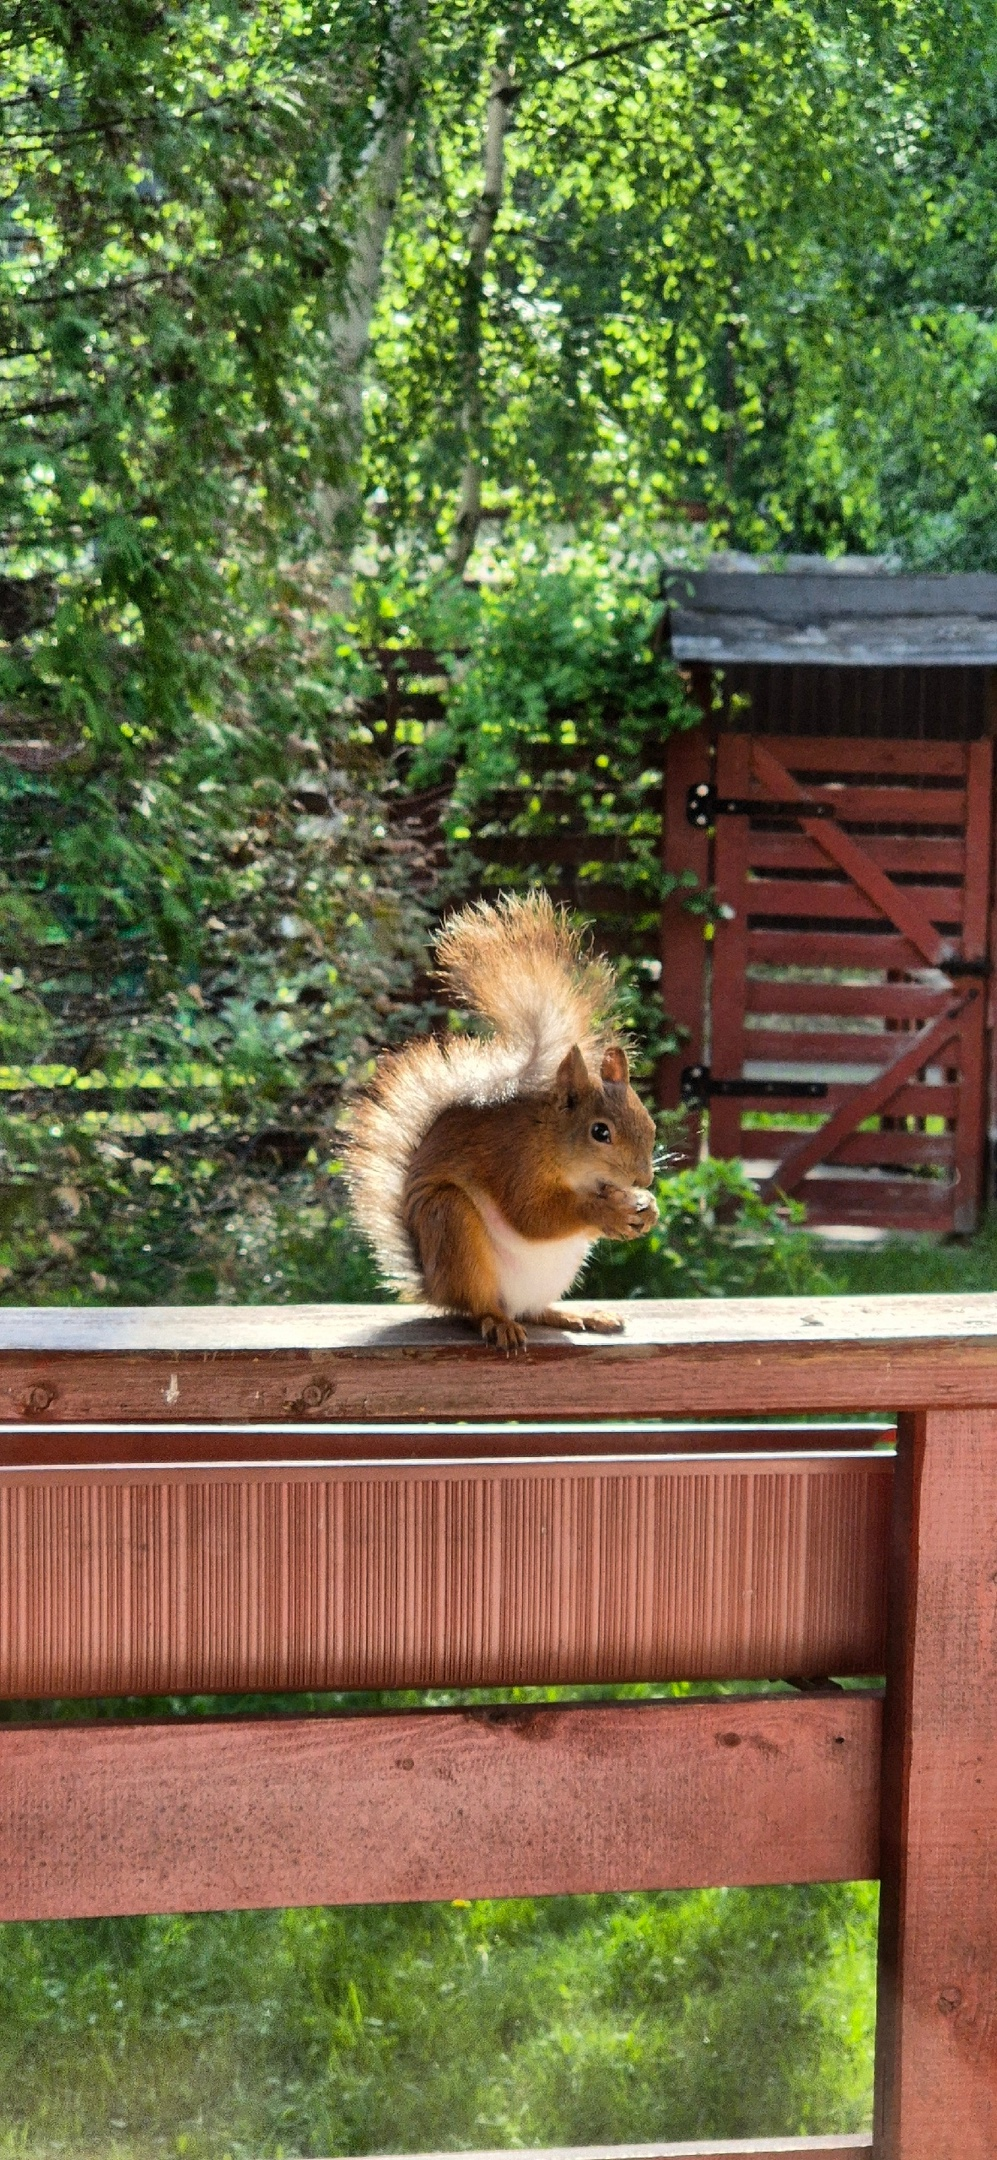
532, 1272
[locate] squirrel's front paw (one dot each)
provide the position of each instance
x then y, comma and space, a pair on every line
503, 1334
625, 1211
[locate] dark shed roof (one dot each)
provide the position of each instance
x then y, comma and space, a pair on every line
827, 616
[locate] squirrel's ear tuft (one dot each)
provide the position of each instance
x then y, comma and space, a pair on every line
615, 1067
572, 1078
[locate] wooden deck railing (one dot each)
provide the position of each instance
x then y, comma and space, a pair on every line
345, 1498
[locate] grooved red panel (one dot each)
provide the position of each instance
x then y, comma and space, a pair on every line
196, 1816
144, 1581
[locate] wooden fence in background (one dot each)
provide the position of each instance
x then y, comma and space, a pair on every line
349, 1498
835, 1026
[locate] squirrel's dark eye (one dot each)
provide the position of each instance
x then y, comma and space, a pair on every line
601, 1132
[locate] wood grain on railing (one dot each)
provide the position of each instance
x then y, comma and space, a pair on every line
208, 1814
937, 2027
696, 1358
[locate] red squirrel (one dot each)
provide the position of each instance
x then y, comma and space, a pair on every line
484, 1168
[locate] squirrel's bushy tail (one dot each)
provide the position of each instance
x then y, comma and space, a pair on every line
521, 965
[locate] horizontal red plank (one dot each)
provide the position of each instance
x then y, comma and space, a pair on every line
222, 1814
696, 1358
883, 1151
773, 1046
870, 1150
32, 1444
174, 1581
924, 1098
905, 1203
796, 851
831, 949
886, 1001
804, 2148
810, 758
833, 900
859, 803
920, 1099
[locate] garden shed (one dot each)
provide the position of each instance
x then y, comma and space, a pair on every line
838, 797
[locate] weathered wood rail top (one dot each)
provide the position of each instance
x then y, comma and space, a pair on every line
345, 1498
697, 1358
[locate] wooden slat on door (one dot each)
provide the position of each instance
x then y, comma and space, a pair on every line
822, 974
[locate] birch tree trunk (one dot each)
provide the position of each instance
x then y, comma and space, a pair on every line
501, 98
375, 193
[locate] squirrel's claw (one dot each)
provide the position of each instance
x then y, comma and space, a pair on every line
503, 1334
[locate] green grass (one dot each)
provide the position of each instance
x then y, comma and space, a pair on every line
396, 2029
902, 1264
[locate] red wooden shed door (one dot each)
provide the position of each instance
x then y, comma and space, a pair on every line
851, 961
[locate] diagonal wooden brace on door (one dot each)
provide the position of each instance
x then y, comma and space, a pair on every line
898, 906
864, 1102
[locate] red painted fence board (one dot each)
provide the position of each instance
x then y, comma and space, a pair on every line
869, 1148
695, 1357
892, 851
800, 902
940, 761
199, 1816
834, 899
937, 2033
879, 1001
927, 811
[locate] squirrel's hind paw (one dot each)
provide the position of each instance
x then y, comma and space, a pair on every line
503, 1334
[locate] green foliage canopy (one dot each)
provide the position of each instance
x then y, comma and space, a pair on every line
745, 261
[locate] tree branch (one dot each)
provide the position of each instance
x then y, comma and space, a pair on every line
40, 407
501, 98
647, 37
375, 192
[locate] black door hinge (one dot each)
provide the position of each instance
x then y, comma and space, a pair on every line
698, 1088
955, 968
703, 806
